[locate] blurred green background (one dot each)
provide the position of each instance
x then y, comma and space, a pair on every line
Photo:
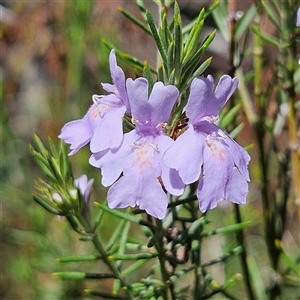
52, 62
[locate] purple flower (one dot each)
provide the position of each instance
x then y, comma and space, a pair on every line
207, 153
102, 124
84, 186
298, 17
140, 155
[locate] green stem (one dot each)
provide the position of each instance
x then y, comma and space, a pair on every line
162, 261
98, 245
243, 255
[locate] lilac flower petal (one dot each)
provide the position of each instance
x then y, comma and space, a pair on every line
141, 166
239, 155
224, 90
211, 192
109, 132
84, 186
172, 181
170, 177
186, 155
110, 88
111, 169
221, 179
138, 97
146, 192
200, 94
157, 109
298, 17
113, 162
81, 182
162, 99
203, 102
76, 133
118, 77
102, 124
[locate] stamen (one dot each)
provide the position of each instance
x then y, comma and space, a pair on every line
96, 100
210, 119
134, 121
221, 134
154, 146
161, 125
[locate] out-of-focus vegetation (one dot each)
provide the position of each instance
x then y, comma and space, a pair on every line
52, 62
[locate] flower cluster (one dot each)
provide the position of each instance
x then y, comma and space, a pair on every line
145, 163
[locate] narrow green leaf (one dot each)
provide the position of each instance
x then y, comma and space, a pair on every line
172, 77
53, 149
135, 247
230, 282
127, 123
220, 17
155, 238
194, 34
244, 22
134, 267
147, 74
227, 117
42, 163
124, 215
236, 131
273, 17
196, 225
70, 275
267, 38
156, 37
236, 251
142, 8
245, 97
104, 295
170, 57
132, 256
292, 279
133, 19
46, 205
55, 169
116, 286
86, 238
189, 68
65, 165
80, 258
166, 35
192, 43
181, 273
186, 29
98, 219
276, 4
291, 263
256, 279
200, 70
227, 229
116, 234
40, 145
176, 10
130, 60
74, 225
210, 280
123, 240
178, 46
211, 8
82, 275
160, 74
